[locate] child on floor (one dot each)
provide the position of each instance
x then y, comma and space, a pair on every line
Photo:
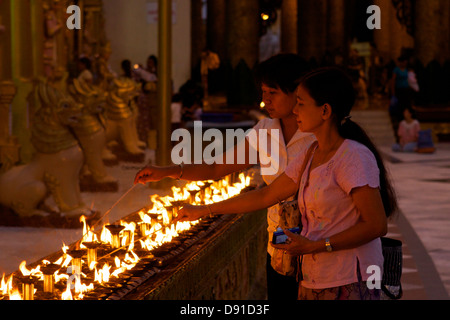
408, 133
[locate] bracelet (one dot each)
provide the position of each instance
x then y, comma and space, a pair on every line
181, 171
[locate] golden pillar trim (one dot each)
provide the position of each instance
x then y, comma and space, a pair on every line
164, 81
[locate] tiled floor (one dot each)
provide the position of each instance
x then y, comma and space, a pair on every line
423, 188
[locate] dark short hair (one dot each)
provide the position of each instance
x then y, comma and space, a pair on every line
281, 71
86, 62
154, 58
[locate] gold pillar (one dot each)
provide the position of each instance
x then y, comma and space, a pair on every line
382, 36
289, 26
312, 29
37, 34
164, 81
444, 39
392, 36
9, 148
427, 30
336, 31
25, 59
198, 38
5, 40
243, 31
216, 31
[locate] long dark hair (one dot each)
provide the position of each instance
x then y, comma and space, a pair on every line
333, 86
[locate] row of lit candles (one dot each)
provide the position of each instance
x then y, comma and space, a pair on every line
156, 222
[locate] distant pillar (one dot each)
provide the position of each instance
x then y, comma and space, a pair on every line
216, 28
393, 36
198, 39
312, 29
164, 82
427, 29
382, 36
243, 31
336, 32
289, 26
25, 57
444, 41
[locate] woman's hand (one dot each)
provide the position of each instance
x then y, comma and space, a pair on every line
191, 213
297, 245
151, 173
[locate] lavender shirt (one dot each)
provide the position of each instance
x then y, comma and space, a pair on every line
327, 209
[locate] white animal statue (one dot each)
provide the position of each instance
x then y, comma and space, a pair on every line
54, 170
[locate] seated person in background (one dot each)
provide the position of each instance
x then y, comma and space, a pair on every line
408, 133
84, 66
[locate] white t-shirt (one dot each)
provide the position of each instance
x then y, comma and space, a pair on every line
299, 143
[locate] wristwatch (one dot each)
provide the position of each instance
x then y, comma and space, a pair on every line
328, 245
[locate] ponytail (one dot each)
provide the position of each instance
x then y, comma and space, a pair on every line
351, 130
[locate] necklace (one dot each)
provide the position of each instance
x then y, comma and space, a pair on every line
325, 156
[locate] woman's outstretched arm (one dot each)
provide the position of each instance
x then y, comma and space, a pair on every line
282, 188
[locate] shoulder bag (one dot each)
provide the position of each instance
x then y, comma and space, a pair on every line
290, 217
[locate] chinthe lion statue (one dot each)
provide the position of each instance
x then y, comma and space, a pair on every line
121, 114
91, 134
54, 170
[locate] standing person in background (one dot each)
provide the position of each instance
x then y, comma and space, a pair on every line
344, 196
277, 78
401, 93
152, 67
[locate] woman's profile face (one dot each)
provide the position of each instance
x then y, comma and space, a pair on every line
278, 103
308, 114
